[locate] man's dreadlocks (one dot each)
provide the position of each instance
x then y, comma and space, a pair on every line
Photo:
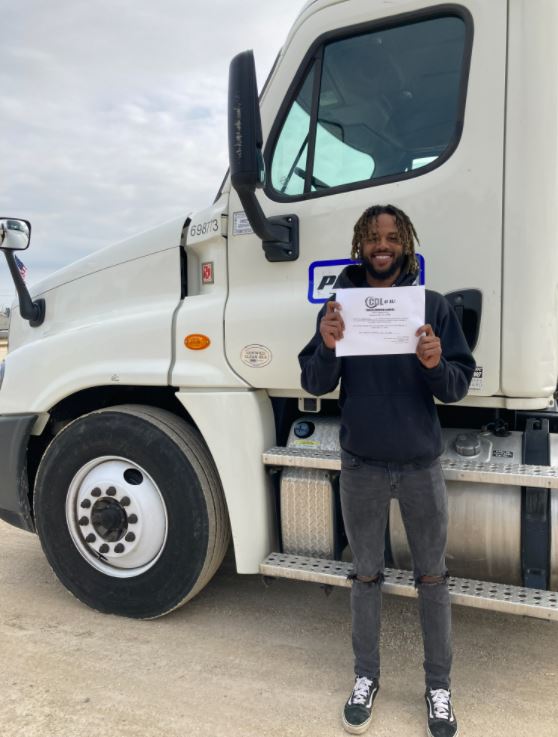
405, 228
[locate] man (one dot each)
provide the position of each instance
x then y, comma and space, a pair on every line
390, 446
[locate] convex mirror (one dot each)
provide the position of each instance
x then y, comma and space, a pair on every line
14, 234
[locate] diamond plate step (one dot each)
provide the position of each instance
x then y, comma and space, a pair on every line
511, 474
468, 592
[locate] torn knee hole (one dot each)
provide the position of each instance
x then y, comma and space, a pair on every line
369, 580
431, 580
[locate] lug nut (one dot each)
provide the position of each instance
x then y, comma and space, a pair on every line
96, 491
111, 491
119, 548
125, 501
90, 538
83, 521
86, 503
132, 519
130, 537
104, 548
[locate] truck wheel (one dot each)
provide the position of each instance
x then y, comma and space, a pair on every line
130, 511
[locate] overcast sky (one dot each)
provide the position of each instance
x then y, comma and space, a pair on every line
113, 114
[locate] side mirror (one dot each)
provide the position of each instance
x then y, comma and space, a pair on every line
279, 234
14, 234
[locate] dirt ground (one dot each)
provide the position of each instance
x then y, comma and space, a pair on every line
242, 660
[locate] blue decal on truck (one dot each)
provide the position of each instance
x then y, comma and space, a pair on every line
322, 276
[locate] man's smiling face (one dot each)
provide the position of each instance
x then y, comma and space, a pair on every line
382, 251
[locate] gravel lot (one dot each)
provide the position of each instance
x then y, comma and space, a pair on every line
244, 660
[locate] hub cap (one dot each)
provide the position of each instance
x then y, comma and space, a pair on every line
116, 516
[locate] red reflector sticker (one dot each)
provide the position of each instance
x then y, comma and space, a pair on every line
207, 272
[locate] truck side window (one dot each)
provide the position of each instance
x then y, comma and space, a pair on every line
387, 103
289, 159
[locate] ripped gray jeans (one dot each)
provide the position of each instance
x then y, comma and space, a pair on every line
366, 490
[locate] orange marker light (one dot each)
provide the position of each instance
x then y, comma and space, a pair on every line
197, 342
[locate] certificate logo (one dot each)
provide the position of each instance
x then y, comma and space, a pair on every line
373, 302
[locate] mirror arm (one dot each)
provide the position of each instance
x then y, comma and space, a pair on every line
279, 234
29, 310
262, 226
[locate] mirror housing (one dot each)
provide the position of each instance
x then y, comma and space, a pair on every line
279, 234
15, 235
245, 125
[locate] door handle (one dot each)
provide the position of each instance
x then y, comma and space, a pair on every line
467, 305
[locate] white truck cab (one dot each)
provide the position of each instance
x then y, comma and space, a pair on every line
150, 402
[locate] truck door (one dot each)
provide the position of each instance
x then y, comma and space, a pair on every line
367, 107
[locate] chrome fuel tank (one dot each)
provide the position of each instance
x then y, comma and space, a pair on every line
484, 531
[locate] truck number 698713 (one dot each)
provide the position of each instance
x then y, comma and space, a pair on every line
211, 226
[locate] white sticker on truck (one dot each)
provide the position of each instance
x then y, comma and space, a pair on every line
256, 355
241, 225
476, 383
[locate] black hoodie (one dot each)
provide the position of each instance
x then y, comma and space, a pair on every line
387, 407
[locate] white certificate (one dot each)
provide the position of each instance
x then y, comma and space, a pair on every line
380, 321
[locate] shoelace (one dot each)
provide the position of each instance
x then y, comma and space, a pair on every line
440, 703
361, 691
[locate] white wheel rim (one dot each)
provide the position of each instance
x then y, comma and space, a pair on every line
116, 517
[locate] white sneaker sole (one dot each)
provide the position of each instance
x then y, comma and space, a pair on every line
353, 728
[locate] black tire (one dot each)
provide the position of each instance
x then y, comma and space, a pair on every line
179, 467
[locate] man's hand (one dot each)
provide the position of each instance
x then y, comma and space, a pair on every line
429, 348
332, 325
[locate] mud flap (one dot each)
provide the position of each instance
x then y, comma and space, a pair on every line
15, 509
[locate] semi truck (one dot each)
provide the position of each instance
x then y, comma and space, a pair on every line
150, 401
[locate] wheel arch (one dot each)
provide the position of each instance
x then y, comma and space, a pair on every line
88, 400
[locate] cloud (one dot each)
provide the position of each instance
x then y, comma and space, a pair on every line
113, 113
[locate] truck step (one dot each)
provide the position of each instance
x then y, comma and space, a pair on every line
512, 474
468, 592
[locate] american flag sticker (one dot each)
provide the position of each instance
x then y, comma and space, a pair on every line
207, 272
22, 268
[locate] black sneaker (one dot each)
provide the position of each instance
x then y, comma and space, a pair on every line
441, 719
357, 712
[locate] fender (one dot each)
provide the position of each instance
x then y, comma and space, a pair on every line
237, 427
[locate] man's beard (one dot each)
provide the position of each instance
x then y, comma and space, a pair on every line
388, 273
